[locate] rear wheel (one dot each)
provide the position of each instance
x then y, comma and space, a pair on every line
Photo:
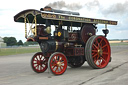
57, 63
97, 51
39, 62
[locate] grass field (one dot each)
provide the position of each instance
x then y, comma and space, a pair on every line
117, 44
19, 50
22, 50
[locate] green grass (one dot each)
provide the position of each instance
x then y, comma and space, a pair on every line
117, 44
19, 50
22, 50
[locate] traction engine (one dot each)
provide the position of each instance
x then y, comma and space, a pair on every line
65, 46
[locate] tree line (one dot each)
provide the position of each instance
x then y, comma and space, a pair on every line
11, 41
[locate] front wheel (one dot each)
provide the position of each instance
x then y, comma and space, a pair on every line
97, 52
57, 63
39, 62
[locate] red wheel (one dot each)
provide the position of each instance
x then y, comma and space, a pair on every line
39, 62
98, 52
57, 63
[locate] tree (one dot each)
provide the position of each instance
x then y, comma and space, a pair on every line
5, 39
10, 41
20, 43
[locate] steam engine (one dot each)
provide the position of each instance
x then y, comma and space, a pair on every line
65, 45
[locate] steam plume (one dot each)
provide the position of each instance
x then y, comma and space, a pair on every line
119, 8
116, 8
62, 4
92, 5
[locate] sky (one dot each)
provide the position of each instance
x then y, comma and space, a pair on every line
116, 10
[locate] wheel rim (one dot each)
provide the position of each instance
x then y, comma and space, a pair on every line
39, 62
58, 63
100, 51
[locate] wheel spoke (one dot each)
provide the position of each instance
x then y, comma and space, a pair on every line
55, 64
95, 55
40, 67
34, 61
101, 42
105, 53
97, 41
62, 64
36, 58
60, 59
98, 45
104, 46
36, 65
53, 67
95, 61
44, 59
40, 57
95, 46
56, 69
55, 59
103, 59
99, 62
94, 51
61, 68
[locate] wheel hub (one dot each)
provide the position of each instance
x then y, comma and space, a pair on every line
39, 62
100, 51
59, 64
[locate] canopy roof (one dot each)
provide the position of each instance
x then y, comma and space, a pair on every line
54, 18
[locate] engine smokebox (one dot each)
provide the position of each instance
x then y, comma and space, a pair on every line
51, 46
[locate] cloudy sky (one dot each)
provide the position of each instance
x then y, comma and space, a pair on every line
102, 9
